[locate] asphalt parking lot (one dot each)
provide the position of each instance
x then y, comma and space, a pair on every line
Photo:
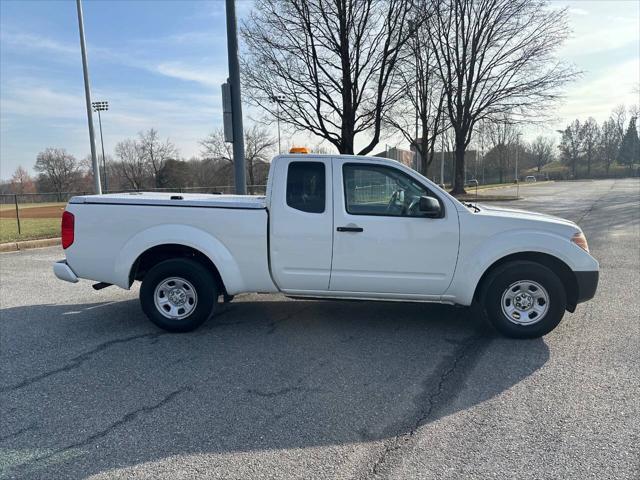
276, 388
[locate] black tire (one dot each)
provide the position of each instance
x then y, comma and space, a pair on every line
505, 276
199, 277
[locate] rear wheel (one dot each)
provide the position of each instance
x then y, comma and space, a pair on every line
524, 299
178, 295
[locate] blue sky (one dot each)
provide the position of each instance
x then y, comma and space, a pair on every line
160, 64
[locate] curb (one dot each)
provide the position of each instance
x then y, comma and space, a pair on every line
27, 244
507, 185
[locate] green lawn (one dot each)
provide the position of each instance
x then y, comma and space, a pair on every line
31, 229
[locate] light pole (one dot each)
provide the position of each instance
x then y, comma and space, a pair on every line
516, 171
277, 99
87, 94
413, 27
442, 162
102, 107
482, 154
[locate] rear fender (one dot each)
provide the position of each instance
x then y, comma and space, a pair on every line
185, 235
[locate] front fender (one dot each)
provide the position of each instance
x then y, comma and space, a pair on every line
476, 258
179, 235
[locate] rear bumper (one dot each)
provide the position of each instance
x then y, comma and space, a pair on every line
64, 272
587, 283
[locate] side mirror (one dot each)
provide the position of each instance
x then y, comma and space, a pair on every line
430, 207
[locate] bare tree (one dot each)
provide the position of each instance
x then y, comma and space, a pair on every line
590, 138
156, 152
259, 147
610, 141
215, 148
571, 147
542, 151
494, 57
57, 168
500, 134
21, 181
423, 96
132, 163
619, 116
330, 61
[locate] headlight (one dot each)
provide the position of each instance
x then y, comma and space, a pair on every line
580, 240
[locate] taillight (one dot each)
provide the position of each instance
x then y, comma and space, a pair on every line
68, 221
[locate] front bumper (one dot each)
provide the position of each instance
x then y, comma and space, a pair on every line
587, 283
64, 272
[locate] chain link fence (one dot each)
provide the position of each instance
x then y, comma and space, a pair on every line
37, 215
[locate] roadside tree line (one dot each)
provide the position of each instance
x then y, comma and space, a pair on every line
586, 150
587, 146
148, 162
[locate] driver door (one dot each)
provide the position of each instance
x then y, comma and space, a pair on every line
382, 244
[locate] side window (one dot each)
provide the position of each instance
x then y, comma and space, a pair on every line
306, 186
380, 190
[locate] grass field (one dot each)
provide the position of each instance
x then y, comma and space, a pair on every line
37, 220
22, 206
31, 229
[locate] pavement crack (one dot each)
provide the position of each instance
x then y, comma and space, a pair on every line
274, 393
595, 202
432, 400
18, 433
78, 361
127, 418
273, 325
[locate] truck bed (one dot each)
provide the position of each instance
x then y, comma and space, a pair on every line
113, 230
178, 200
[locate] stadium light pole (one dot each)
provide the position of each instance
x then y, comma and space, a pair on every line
102, 107
277, 99
87, 94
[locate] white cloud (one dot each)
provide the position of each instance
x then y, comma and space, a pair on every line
578, 11
597, 95
600, 27
205, 75
36, 42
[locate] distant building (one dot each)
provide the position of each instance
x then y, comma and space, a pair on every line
406, 157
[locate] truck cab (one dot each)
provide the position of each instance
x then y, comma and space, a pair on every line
349, 226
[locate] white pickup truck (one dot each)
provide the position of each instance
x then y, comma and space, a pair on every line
330, 226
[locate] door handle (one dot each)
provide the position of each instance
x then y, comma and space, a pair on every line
350, 229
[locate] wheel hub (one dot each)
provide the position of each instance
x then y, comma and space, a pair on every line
177, 296
525, 302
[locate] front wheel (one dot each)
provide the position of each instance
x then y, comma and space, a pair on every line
524, 299
178, 295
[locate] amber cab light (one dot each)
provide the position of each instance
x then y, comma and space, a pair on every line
305, 150
580, 240
68, 221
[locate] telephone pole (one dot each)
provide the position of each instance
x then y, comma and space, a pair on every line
236, 99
